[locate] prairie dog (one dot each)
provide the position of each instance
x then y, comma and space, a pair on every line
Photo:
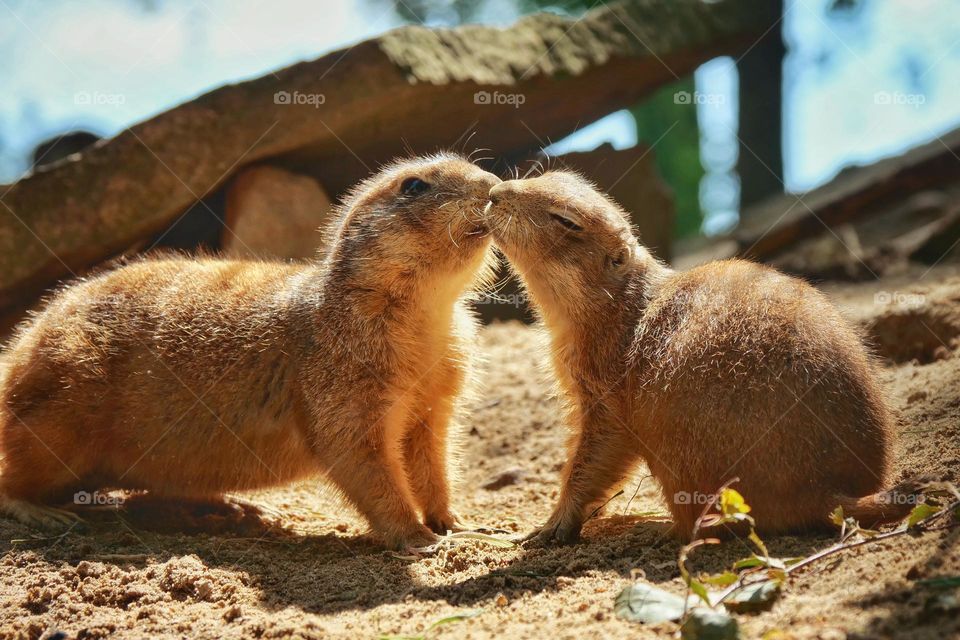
731, 369
194, 377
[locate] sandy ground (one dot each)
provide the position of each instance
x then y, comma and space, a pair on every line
314, 574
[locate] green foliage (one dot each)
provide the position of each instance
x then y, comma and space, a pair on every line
754, 583
739, 595
724, 579
919, 513
943, 582
674, 129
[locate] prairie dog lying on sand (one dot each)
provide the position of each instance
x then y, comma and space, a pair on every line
194, 377
731, 369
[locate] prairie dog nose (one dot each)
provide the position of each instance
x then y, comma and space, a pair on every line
480, 182
503, 190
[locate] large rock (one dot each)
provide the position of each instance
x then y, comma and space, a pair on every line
343, 113
272, 213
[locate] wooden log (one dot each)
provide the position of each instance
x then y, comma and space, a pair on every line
781, 222
353, 108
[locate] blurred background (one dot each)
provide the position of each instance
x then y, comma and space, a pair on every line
820, 136
100, 66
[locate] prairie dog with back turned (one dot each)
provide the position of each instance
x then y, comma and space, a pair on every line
731, 369
194, 377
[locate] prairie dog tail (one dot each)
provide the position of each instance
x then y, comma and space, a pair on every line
885, 506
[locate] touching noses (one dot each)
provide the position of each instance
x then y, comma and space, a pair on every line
503, 190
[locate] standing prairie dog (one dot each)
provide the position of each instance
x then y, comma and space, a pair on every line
194, 377
728, 370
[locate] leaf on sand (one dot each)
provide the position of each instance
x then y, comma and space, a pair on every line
704, 624
758, 596
641, 602
920, 512
757, 561
945, 582
758, 543
457, 617
697, 587
724, 579
749, 563
491, 540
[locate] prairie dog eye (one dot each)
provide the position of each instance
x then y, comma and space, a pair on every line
566, 222
414, 186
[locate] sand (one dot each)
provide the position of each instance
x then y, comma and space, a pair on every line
312, 572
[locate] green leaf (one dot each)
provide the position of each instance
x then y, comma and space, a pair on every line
758, 543
482, 537
724, 579
642, 602
836, 516
704, 624
944, 582
749, 563
777, 574
757, 561
920, 512
457, 617
758, 596
731, 502
697, 587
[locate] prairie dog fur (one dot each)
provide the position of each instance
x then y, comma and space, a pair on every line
194, 377
731, 369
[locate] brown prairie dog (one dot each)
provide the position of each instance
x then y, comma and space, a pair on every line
194, 377
731, 369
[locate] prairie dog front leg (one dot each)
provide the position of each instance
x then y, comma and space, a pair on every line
426, 447
601, 455
373, 478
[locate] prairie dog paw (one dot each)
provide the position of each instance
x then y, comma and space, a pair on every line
442, 523
411, 541
553, 534
40, 516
